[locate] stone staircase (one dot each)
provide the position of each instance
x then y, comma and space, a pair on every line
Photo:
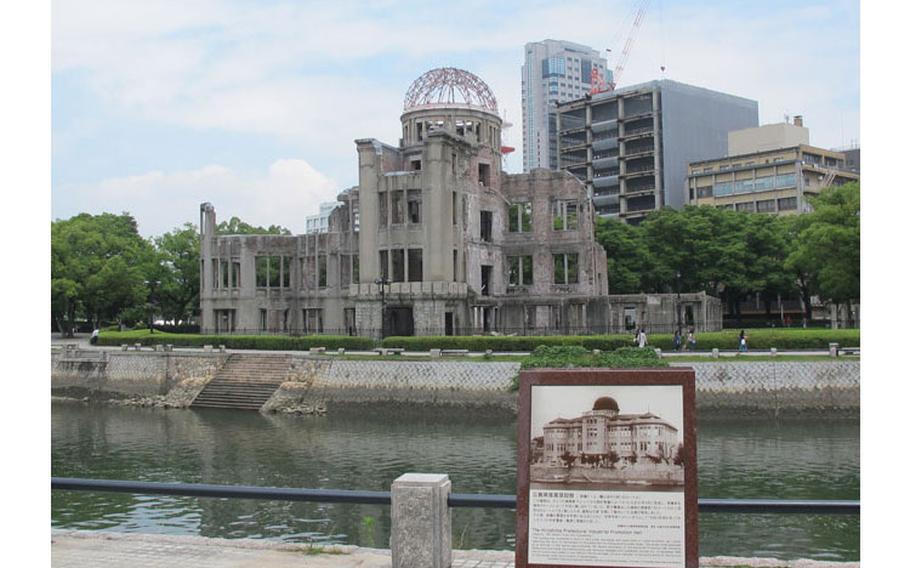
245, 382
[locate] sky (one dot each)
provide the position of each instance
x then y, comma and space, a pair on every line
254, 106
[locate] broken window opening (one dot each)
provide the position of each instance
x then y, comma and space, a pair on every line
355, 269
384, 264
312, 320
415, 265
323, 265
235, 276
486, 226
486, 279
483, 174
398, 265
565, 268
520, 218
455, 265
383, 208
415, 165
285, 272
521, 270
565, 215
397, 205
414, 201
454, 207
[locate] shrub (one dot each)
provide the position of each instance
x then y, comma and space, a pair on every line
265, 342
574, 356
726, 340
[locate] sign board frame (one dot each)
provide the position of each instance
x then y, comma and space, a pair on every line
602, 381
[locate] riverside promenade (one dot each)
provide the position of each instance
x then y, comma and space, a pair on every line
95, 549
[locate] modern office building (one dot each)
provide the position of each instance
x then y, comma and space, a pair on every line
631, 147
769, 169
319, 223
553, 72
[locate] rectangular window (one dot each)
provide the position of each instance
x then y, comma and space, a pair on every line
355, 269
765, 206
786, 204
384, 264
565, 215
225, 278
785, 180
235, 276
285, 272
748, 207
486, 279
565, 268
486, 226
415, 265
723, 188
520, 218
414, 200
323, 262
397, 265
350, 320
455, 265
521, 270
397, 207
263, 320
483, 174
312, 320
454, 207
705, 191
383, 208
415, 165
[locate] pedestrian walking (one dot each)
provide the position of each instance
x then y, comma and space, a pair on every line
742, 341
94, 338
690, 340
677, 339
642, 339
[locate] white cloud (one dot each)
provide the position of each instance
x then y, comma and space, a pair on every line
285, 195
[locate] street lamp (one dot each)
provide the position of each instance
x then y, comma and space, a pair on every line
382, 282
678, 314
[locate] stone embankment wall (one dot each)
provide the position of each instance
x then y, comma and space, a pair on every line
780, 388
175, 377
314, 384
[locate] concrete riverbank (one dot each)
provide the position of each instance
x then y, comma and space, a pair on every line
88, 549
173, 379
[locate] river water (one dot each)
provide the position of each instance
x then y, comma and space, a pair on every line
362, 447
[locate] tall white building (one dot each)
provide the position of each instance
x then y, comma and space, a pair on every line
554, 71
319, 223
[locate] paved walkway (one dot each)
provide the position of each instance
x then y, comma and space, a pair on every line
96, 549
82, 340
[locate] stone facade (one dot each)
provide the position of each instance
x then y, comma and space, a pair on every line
435, 239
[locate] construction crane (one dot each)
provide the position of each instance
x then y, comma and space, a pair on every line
599, 83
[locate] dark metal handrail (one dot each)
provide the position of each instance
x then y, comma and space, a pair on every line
828, 507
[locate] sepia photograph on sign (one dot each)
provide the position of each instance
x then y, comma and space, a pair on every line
622, 437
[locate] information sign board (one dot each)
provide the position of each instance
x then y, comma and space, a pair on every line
607, 469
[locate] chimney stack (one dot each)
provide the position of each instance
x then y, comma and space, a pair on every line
798, 120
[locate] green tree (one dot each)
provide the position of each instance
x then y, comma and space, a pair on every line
629, 261
98, 268
178, 273
235, 226
828, 244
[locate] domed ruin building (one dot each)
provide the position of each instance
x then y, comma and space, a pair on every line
434, 240
603, 429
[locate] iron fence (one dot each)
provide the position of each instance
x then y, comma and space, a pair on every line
816, 506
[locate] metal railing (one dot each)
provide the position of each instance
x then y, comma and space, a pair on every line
816, 506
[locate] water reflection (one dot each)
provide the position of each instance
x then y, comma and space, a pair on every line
361, 447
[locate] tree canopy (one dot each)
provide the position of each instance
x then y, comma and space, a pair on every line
732, 254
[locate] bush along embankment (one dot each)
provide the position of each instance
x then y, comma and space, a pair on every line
264, 342
574, 356
783, 339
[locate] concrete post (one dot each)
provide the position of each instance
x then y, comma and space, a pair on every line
832, 349
715, 353
421, 521
774, 351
